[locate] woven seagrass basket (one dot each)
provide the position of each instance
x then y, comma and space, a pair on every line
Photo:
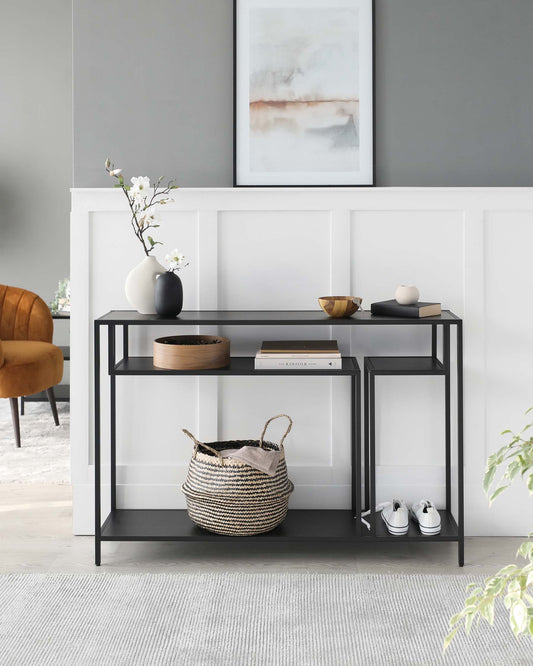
227, 496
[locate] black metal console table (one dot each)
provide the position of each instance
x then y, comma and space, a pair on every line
311, 525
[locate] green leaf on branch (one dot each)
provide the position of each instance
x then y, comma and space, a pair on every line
509, 570
449, 638
513, 469
486, 608
489, 478
497, 492
518, 618
526, 550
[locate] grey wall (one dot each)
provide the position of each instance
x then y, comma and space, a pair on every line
35, 143
454, 91
153, 90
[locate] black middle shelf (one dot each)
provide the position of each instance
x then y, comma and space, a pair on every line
404, 365
239, 365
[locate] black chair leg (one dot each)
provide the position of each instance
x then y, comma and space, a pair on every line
22, 405
52, 400
15, 414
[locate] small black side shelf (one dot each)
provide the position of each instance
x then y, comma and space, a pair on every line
404, 365
239, 365
308, 525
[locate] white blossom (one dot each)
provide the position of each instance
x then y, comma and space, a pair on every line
151, 216
140, 187
115, 172
175, 260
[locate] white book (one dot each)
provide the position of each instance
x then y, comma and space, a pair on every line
298, 363
296, 356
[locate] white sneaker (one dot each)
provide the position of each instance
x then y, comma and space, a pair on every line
395, 515
427, 517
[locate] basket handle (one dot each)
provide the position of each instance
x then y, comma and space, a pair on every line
279, 416
205, 446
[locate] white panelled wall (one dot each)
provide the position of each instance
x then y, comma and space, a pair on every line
281, 249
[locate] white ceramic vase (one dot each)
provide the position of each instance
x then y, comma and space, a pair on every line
140, 285
407, 294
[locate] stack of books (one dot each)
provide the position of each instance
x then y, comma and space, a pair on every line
394, 309
299, 355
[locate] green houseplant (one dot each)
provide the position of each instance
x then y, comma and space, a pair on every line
514, 583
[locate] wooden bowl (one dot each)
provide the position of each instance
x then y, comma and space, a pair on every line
340, 306
191, 352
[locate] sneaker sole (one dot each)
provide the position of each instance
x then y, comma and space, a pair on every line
426, 531
392, 529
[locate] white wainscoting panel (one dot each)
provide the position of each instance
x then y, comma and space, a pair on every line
280, 249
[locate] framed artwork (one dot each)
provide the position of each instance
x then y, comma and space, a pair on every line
303, 107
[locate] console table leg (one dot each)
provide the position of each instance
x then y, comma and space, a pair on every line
112, 415
356, 451
372, 429
125, 342
366, 440
460, 469
97, 509
448, 418
434, 341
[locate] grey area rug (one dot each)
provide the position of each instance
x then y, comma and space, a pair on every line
242, 619
44, 456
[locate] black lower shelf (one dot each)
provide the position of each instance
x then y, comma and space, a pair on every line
309, 525
379, 532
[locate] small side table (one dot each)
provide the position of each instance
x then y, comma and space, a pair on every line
62, 391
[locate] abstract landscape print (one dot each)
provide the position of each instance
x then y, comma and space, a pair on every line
304, 92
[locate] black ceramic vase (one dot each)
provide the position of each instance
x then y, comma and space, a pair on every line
168, 295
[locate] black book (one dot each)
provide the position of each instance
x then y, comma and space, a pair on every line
393, 309
299, 347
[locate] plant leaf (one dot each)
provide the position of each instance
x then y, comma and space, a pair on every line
468, 621
497, 492
489, 478
449, 638
518, 618
487, 610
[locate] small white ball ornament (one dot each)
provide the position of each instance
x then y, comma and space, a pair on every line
407, 294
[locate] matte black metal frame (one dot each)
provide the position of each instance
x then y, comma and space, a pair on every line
376, 366
235, 56
305, 526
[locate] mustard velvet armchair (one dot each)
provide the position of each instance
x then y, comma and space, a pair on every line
29, 362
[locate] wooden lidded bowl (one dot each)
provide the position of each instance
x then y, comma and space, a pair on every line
191, 352
340, 306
